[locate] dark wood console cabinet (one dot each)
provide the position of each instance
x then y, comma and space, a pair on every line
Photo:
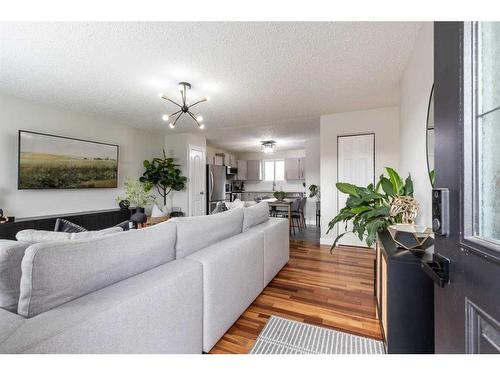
405, 298
93, 220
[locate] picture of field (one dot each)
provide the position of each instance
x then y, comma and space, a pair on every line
50, 162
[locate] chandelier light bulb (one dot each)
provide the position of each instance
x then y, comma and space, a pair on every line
199, 118
160, 95
171, 125
207, 98
202, 126
165, 118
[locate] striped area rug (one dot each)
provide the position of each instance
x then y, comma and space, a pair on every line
283, 336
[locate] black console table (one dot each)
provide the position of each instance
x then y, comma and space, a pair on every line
91, 220
405, 298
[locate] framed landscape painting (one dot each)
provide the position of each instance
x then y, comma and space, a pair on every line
53, 162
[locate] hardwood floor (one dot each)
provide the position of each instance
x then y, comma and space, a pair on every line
310, 234
333, 291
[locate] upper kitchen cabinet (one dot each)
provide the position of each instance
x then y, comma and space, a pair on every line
242, 170
295, 168
302, 168
230, 160
254, 170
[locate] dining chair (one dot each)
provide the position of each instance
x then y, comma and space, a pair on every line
302, 208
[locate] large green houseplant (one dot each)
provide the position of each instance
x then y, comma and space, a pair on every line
369, 208
164, 175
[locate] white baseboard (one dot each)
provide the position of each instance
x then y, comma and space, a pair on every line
326, 241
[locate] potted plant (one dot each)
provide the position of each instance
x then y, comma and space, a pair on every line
314, 191
164, 175
137, 194
279, 195
371, 209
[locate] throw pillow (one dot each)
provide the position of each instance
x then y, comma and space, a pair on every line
220, 207
237, 204
255, 215
63, 225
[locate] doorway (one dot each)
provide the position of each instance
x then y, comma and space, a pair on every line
355, 165
196, 181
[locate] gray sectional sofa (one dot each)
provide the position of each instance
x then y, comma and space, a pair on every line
176, 287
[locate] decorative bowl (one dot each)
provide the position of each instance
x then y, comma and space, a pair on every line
411, 236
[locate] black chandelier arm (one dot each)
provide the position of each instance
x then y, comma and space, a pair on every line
193, 117
198, 102
173, 114
171, 101
175, 121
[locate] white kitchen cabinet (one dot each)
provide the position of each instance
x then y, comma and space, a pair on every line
242, 170
210, 157
218, 159
295, 168
230, 160
254, 170
302, 168
291, 168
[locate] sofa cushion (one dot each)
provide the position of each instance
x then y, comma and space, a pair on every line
254, 215
58, 272
37, 236
63, 225
11, 255
232, 279
276, 245
95, 234
196, 232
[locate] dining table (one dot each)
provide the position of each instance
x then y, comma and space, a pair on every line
286, 203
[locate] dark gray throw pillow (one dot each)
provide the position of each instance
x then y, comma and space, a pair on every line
221, 207
63, 225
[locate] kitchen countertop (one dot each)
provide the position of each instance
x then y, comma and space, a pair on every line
267, 191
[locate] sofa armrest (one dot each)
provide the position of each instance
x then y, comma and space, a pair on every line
158, 311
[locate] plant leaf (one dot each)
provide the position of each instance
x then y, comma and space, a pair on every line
337, 240
408, 186
347, 188
387, 186
396, 181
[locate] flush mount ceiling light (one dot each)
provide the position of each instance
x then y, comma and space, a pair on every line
268, 147
184, 107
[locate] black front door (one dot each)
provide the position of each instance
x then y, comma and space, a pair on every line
467, 162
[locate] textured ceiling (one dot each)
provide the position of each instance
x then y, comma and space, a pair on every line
265, 80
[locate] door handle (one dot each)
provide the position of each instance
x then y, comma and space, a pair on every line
211, 184
201, 192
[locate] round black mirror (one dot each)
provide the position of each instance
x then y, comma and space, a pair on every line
430, 137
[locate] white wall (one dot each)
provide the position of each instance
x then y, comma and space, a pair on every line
288, 186
384, 122
416, 87
177, 146
313, 159
16, 114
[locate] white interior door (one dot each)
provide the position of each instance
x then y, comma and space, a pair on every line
355, 165
196, 181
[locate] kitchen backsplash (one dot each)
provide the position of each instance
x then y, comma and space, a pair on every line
288, 186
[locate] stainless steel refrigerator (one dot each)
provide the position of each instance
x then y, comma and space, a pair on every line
216, 186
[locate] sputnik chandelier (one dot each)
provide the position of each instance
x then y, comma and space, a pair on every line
184, 107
